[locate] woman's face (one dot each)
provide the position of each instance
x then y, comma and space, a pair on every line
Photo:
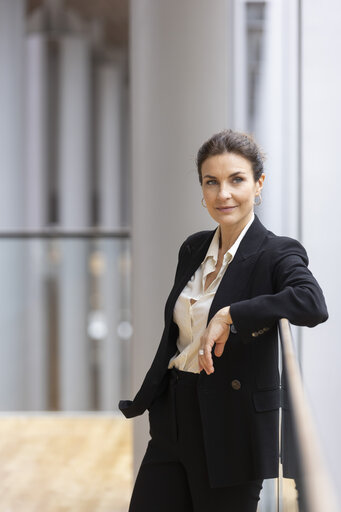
229, 189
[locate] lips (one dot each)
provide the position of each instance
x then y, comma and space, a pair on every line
226, 209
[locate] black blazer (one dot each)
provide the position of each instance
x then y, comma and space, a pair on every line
268, 279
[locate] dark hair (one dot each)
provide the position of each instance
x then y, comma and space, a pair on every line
229, 141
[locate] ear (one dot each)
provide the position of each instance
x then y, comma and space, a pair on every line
259, 184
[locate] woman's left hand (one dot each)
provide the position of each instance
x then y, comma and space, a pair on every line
216, 333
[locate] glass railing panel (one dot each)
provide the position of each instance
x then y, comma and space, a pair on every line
65, 321
305, 484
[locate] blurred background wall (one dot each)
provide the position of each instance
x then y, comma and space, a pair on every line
103, 107
65, 205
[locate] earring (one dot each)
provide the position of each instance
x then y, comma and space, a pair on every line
203, 203
259, 200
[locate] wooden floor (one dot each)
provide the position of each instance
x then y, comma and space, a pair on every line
57, 464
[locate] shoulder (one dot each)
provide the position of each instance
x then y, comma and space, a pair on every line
283, 246
198, 238
194, 241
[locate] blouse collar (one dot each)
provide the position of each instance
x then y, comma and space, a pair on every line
211, 257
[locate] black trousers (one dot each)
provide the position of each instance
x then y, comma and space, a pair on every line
173, 475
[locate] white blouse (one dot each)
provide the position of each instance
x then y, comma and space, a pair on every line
193, 304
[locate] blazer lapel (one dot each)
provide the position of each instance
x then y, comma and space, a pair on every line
236, 278
192, 260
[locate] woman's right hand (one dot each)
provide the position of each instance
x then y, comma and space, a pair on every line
216, 333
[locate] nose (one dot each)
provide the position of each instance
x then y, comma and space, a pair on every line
224, 191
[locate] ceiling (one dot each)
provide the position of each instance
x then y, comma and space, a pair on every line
113, 13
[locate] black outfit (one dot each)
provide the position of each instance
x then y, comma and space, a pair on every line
238, 404
173, 474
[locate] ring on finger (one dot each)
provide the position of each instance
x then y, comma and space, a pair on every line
201, 352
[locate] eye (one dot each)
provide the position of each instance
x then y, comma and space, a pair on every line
237, 179
211, 182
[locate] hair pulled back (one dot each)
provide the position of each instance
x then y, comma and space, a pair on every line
229, 141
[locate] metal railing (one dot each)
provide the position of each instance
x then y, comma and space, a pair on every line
313, 482
54, 232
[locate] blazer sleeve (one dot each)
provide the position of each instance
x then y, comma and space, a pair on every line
297, 295
141, 401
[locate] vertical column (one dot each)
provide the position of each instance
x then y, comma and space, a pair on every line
109, 135
12, 25
37, 169
180, 97
37, 142
12, 253
74, 153
276, 126
269, 119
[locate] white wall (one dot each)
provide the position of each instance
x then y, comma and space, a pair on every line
321, 213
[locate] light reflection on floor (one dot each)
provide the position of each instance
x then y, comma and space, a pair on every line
55, 463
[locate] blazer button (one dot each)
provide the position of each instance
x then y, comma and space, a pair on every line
236, 385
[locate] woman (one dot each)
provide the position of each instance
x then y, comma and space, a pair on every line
213, 388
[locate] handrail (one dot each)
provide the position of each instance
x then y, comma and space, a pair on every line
318, 492
53, 232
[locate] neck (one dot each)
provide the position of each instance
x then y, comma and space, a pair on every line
229, 234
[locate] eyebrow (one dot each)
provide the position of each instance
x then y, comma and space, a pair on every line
231, 175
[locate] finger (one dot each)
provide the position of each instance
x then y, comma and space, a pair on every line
207, 359
219, 349
204, 363
200, 363
220, 344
